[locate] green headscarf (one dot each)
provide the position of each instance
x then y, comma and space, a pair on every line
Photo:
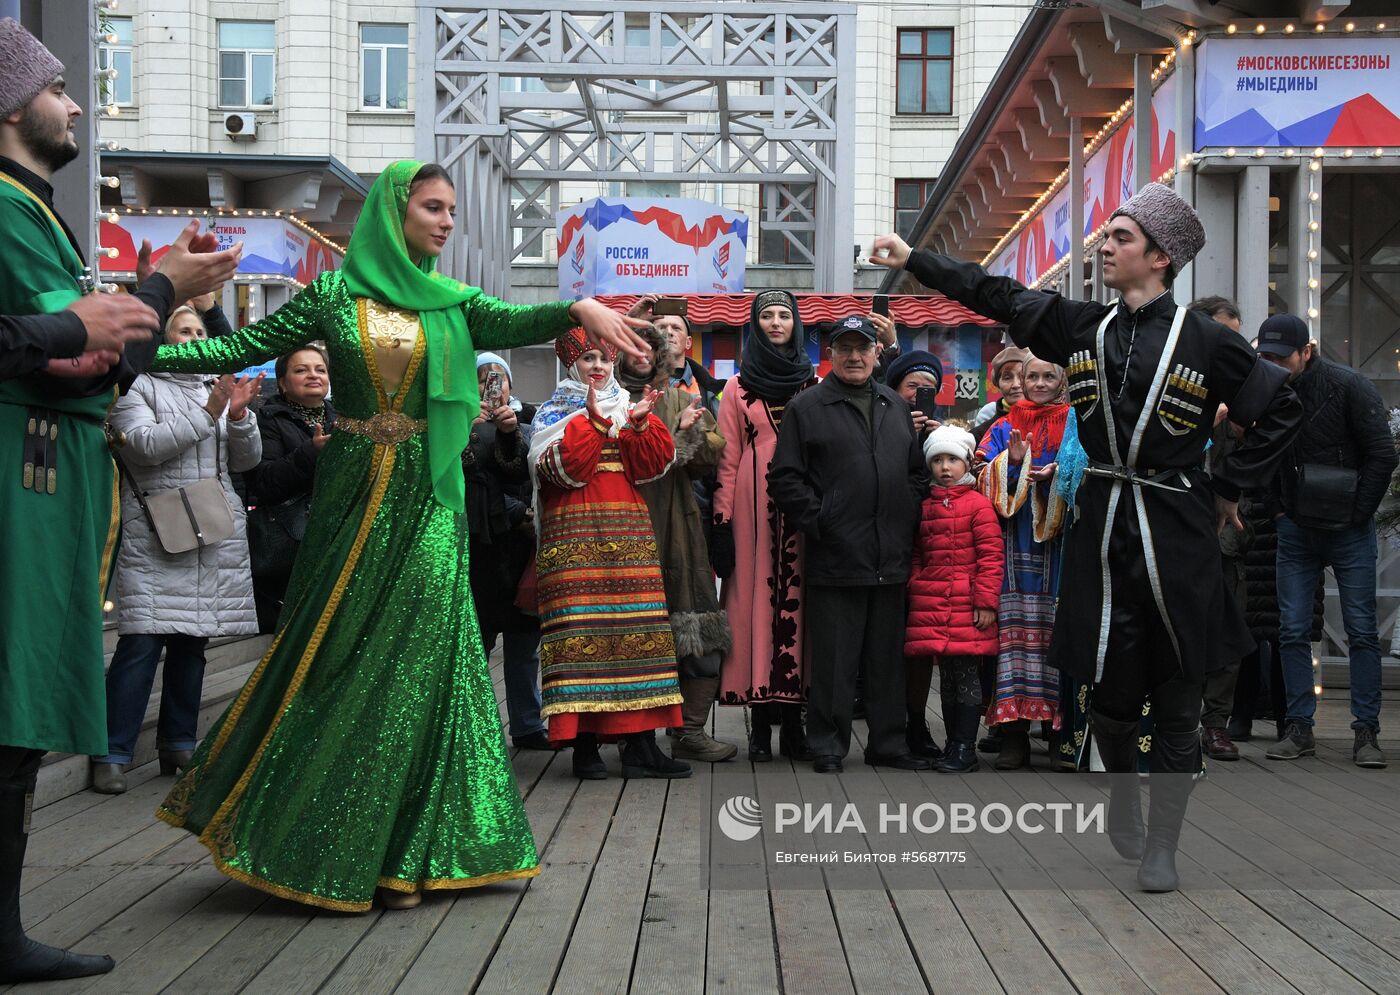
377, 265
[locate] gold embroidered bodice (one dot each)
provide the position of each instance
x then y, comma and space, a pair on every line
393, 334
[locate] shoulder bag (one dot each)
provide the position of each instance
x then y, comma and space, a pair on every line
189, 517
1326, 497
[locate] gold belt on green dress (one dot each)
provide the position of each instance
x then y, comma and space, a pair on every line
388, 428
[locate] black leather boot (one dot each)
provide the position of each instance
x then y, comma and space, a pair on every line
1015, 745
22, 959
1176, 757
760, 733
588, 764
961, 755
641, 757
919, 740
990, 743
1118, 748
792, 737
174, 761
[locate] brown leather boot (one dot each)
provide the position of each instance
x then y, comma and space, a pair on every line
692, 742
1217, 744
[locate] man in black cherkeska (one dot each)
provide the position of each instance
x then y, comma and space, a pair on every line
1138, 617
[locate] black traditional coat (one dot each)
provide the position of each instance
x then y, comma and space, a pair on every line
1145, 515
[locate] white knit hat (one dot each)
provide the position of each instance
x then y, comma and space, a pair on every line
950, 440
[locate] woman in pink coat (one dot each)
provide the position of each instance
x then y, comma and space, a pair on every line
954, 586
755, 548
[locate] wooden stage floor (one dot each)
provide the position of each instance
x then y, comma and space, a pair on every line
620, 904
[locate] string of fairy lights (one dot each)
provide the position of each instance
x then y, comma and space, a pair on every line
1309, 224
1312, 176
104, 90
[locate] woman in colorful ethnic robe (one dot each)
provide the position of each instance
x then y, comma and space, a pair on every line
366, 748
1020, 451
607, 654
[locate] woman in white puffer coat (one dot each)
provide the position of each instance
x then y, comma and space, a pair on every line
179, 428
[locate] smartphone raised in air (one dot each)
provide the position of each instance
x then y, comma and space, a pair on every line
926, 400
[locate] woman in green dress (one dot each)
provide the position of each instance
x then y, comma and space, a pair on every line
366, 749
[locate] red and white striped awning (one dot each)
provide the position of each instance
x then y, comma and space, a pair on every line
906, 309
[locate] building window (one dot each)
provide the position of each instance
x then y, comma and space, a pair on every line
786, 222
523, 84
765, 87
384, 67
517, 84
115, 53
924, 71
637, 42
247, 63
910, 196
529, 240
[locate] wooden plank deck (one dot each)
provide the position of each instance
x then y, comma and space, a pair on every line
620, 906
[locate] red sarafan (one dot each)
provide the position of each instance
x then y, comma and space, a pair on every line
958, 565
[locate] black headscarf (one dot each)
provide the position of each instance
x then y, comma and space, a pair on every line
774, 373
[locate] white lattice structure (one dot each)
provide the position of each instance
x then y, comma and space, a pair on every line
755, 94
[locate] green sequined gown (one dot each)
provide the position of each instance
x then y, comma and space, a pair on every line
366, 748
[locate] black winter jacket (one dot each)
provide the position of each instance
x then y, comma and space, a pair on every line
1260, 556
498, 497
853, 490
288, 454
1344, 424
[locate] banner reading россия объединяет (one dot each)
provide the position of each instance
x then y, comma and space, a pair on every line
636, 245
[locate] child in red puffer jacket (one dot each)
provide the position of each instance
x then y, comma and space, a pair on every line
959, 558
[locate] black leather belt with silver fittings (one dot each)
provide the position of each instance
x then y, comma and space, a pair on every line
39, 472
1139, 477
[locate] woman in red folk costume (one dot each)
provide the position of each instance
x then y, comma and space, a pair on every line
1020, 451
607, 656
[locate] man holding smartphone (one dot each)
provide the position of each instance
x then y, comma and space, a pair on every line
886, 336
669, 315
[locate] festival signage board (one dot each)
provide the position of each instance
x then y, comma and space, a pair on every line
271, 246
635, 245
1308, 92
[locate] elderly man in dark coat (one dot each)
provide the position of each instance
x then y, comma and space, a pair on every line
849, 470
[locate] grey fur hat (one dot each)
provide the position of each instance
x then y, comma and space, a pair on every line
26, 66
1168, 220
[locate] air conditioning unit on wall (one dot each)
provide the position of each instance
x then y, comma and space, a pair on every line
241, 124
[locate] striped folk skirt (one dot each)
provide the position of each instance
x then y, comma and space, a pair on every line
607, 655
